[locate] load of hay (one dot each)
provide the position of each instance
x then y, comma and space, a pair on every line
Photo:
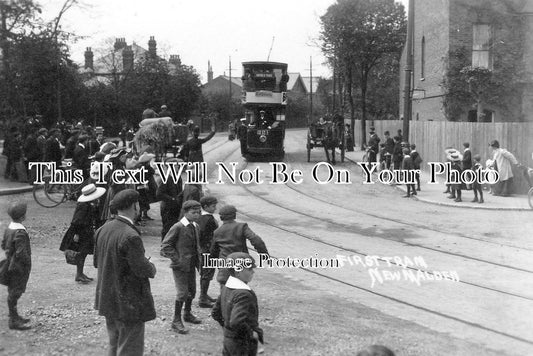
156, 132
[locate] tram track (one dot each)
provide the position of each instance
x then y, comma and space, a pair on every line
308, 237
368, 290
473, 323
348, 226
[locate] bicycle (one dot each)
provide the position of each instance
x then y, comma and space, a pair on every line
50, 195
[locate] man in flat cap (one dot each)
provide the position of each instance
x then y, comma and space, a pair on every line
236, 309
181, 246
208, 225
16, 243
231, 237
123, 293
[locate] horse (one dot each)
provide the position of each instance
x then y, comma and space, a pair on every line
333, 137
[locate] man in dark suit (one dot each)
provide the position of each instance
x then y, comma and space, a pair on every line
397, 154
181, 246
81, 156
53, 148
123, 293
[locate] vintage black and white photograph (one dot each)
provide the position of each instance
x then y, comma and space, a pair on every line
244, 177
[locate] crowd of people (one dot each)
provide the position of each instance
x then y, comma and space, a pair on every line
105, 223
397, 154
106, 219
34, 143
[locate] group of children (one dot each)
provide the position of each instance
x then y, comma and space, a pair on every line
236, 308
460, 162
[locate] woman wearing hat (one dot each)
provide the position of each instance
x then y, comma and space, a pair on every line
80, 235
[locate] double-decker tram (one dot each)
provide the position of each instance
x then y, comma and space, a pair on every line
264, 98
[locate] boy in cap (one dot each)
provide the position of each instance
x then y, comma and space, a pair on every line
123, 292
180, 245
476, 186
236, 309
231, 237
16, 243
208, 225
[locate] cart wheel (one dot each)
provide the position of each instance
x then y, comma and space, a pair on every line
530, 197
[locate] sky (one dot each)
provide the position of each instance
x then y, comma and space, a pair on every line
203, 30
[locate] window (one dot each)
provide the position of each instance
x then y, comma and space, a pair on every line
482, 46
423, 58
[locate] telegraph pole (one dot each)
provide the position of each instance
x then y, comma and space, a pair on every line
334, 84
310, 91
407, 92
230, 94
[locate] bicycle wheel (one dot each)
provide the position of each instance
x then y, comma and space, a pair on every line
530, 197
48, 195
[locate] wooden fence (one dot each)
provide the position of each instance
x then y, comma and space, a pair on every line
432, 137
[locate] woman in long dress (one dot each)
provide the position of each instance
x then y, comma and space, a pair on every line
80, 235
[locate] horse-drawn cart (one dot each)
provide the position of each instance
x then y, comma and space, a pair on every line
327, 134
162, 135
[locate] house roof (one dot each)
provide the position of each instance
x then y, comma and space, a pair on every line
307, 83
293, 78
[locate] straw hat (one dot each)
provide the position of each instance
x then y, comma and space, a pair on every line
450, 150
454, 156
90, 192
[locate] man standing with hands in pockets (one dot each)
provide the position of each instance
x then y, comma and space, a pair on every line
123, 293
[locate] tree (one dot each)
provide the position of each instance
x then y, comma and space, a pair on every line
38, 74
359, 35
217, 103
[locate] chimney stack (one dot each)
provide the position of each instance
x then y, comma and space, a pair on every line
120, 43
152, 47
127, 59
89, 58
209, 72
175, 60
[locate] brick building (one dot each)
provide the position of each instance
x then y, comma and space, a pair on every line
450, 35
116, 63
